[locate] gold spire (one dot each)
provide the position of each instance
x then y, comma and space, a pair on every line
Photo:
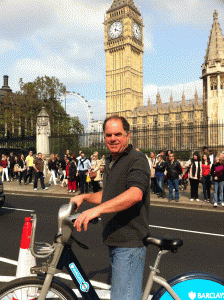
215, 49
117, 4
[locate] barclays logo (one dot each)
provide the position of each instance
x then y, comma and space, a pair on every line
193, 295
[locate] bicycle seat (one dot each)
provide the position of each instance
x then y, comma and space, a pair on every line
164, 243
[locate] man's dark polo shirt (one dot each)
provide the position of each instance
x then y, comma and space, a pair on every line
39, 163
126, 228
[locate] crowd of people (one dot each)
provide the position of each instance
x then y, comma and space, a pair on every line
209, 170
84, 174
73, 171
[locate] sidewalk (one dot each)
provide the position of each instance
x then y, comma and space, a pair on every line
13, 187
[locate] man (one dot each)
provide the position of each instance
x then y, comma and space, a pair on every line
173, 171
78, 158
124, 208
152, 165
82, 169
67, 153
29, 168
12, 163
38, 166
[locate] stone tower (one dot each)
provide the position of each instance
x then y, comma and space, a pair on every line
124, 58
213, 74
213, 82
43, 131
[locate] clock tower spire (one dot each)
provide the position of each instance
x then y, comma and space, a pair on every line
124, 58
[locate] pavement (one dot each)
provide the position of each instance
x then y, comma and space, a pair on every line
13, 187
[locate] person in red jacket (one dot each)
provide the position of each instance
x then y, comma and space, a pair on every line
4, 164
206, 182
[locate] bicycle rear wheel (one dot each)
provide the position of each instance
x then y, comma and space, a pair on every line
28, 288
193, 286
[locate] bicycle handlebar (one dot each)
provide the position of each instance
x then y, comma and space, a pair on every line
65, 228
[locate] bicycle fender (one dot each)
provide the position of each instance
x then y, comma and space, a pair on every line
193, 286
64, 286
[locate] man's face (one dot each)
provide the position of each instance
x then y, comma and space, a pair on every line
83, 155
39, 156
31, 153
152, 155
116, 138
67, 152
171, 157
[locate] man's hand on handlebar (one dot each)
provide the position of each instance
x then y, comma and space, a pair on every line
78, 200
85, 217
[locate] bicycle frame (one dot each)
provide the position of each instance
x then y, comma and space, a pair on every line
160, 280
66, 258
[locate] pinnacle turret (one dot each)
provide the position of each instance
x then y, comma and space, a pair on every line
117, 4
215, 49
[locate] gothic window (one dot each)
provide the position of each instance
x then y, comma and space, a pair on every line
213, 83
154, 119
166, 118
178, 117
190, 115
144, 120
222, 83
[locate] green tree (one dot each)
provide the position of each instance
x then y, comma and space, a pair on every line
20, 109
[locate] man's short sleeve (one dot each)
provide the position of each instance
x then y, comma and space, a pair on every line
139, 173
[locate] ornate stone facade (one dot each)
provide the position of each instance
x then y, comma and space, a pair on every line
124, 76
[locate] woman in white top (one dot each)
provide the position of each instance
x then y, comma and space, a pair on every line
95, 167
194, 168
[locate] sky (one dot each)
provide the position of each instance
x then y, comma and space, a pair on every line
65, 38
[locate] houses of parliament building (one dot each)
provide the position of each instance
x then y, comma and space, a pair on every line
179, 125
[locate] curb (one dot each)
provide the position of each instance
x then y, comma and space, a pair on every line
184, 205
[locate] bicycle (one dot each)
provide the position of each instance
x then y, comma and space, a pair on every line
193, 285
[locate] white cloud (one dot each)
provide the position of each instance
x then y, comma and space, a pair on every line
151, 90
194, 12
6, 46
29, 69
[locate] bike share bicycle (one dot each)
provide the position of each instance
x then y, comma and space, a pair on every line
193, 285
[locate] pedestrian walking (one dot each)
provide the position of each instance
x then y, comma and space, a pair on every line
159, 172
11, 172
16, 168
4, 164
71, 171
63, 168
38, 166
82, 170
29, 167
194, 168
173, 171
206, 177
123, 206
52, 168
22, 168
95, 169
152, 164
217, 172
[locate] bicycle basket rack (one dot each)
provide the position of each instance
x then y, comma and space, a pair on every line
39, 249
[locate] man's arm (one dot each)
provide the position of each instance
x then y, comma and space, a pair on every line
122, 202
94, 198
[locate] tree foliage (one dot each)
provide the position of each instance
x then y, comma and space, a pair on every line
20, 109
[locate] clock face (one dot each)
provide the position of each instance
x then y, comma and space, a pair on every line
115, 30
136, 31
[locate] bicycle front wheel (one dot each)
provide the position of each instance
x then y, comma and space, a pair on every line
28, 288
194, 286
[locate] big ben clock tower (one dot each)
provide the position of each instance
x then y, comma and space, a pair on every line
124, 58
